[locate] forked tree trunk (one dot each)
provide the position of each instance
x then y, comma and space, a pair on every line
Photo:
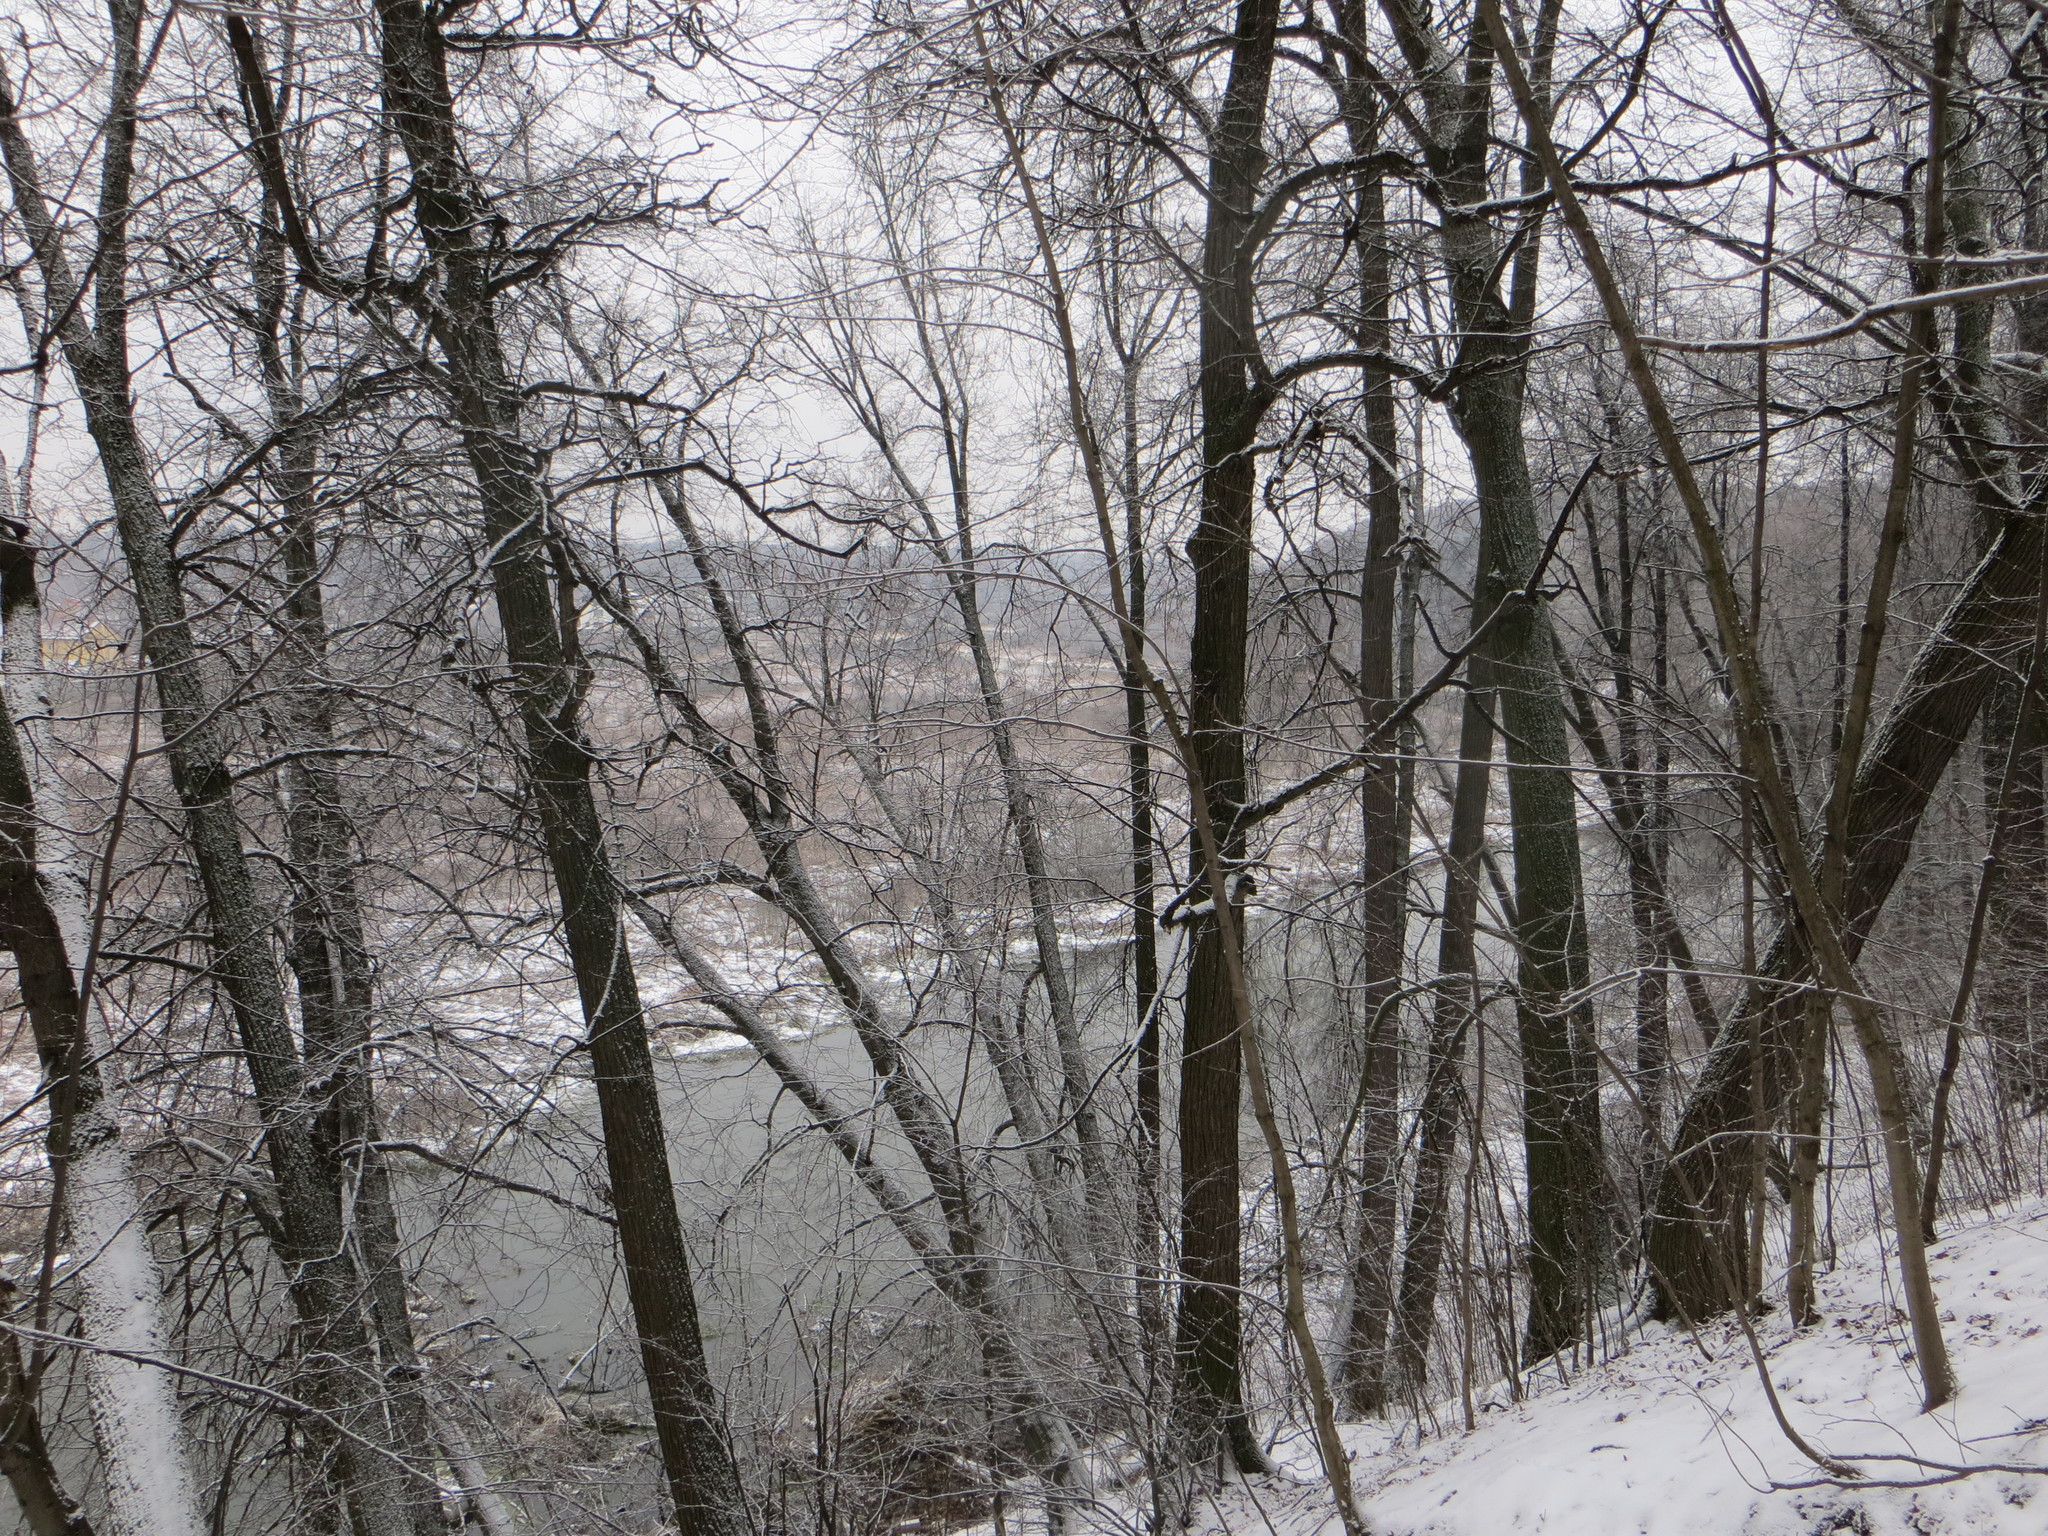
1819, 915
1569, 1206
1077, 1075
1066, 1227
961, 1264
762, 793
961, 571
1696, 1233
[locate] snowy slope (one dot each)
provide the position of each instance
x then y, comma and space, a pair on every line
1676, 1438
1666, 1442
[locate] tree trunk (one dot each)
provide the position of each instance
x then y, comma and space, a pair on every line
1696, 1233
46, 1509
1383, 872
1561, 1124
1809, 1113
326, 947
144, 1455
1648, 911
453, 215
762, 793
329, 956
1569, 1215
1453, 1017
1210, 1335
2013, 1004
312, 1246
1147, 1002
962, 576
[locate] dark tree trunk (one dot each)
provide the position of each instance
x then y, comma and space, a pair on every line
1697, 1243
1453, 1017
1144, 831
327, 948
25, 1460
1383, 873
329, 956
454, 219
2013, 1003
2013, 992
1648, 912
1561, 1124
1569, 1208
1234, 396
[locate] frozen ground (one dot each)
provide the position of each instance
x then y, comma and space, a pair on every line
1676, 1437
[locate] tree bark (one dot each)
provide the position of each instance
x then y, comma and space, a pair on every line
454, 217
1233, 398
329, 956
2013, 1004
961, 572
1383, 872
144, 1454
1695, 1230
1453, 1017
312, 1246
762, 793
25, 1461
1569, 1208
1818, 916
2013, 998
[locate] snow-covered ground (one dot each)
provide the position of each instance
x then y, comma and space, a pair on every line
1676, 1437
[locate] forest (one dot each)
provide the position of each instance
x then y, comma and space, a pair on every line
1090, 767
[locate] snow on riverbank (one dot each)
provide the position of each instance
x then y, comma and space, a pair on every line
1675, 1437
